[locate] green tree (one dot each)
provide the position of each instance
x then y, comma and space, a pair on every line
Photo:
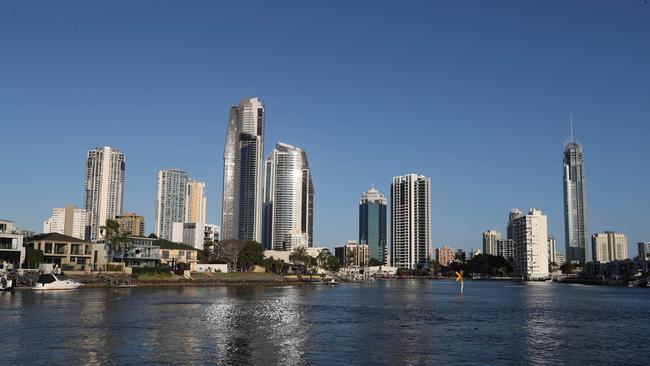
251, 254
118, 239
33, 257
300, 255
333, 264
230, 250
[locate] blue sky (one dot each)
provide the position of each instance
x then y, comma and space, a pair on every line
475, 94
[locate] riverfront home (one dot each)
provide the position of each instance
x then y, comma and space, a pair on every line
11, 244
62, 250
177, 255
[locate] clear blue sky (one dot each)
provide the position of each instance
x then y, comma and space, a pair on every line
475, 94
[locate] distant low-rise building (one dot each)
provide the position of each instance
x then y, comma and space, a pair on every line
211, 233
353, 254
444, 255
644, 250
559, 259
132, 223
506, 248
608, 246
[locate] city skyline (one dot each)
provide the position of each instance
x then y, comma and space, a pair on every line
438, 90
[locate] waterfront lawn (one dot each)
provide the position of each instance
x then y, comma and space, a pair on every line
236, 277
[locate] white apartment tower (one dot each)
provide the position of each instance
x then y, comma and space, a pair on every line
70, 220
288, 199
531, 245
104, 187
410, 221
171, 193
490, 239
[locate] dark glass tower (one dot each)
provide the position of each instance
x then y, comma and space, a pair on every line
372, 224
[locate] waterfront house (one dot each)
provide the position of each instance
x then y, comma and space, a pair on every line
11, 244
64, 250
177, 255
138, 252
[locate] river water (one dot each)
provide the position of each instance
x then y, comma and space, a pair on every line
398, 322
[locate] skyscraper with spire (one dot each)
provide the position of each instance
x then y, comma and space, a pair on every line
243, 164
575, 201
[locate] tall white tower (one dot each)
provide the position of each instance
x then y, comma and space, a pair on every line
288, 199
171, 194
410, 221
531, 245
104, 187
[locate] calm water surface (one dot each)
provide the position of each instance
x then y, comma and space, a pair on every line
408, 322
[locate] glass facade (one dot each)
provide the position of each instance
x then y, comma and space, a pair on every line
372, 224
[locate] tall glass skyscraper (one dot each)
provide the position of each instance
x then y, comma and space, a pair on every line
243, 167
372, 223
575, 202
288, 199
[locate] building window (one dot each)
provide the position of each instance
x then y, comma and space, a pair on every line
48, 247
165, 254
59, 248
188, 255
181, 253
76, 249
88, 250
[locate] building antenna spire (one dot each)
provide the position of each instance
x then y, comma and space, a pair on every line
571, 126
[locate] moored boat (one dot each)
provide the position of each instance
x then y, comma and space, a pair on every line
49, 281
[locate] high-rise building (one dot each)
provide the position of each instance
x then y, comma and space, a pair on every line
410, 221
551, 250
575, 202
70, 220
514, 214
243, 169
372, 223
608, 246
531, 245
103, 188
444, 255
171, 193
490, 239
195, 202
506, 248
288, 199
131, 222
644, 250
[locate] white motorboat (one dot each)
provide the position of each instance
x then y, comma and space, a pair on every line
49, 281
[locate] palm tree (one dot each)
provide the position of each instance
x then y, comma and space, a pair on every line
120, 240
300, 254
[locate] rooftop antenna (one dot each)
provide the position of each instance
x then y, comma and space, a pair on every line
571, 126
